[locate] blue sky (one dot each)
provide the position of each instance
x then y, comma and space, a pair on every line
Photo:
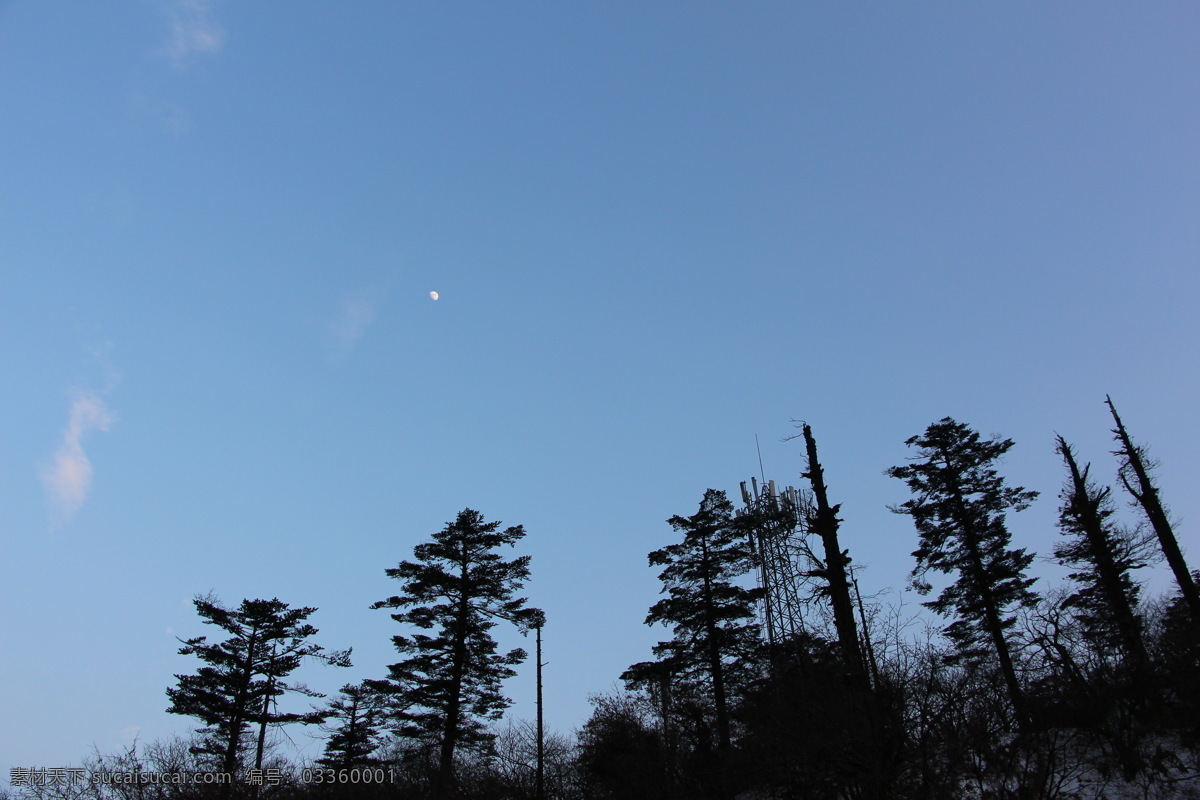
657, 229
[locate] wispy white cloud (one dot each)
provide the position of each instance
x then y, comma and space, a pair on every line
170, 117
69, 475
194, 29
353, 317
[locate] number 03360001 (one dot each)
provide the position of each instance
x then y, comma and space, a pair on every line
355, 775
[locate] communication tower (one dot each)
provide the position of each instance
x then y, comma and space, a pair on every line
778, 526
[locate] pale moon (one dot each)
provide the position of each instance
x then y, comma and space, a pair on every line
434, 295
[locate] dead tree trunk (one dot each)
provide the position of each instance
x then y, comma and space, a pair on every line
825, 522
1146, 494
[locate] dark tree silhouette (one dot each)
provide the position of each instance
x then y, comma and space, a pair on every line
711, 616
863, 714
808, 731
620, 754
959, 512
244, 674
1136, 478
1177, 654
359, 714
450, 681
824, 522
1104, 556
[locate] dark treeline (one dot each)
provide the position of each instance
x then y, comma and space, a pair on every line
778, 680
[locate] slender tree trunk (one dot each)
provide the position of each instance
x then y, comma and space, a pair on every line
1003, 652
826, 524
1147, 496
541, 752
266, 709
229, 763
262, 725
450, 731
862, 616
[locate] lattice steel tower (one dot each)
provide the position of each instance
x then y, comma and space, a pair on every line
778, 525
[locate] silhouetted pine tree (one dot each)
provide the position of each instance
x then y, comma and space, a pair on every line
712, 618
959, 512
359, 714
1136, 478
450, 681
1104, 556
244, 674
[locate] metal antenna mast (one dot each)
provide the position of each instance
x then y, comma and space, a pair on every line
760, 466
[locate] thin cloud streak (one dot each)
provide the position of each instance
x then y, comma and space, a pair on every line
68, 478
171, 117
193, 30
353, 317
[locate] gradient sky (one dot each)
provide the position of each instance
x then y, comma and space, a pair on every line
657, 230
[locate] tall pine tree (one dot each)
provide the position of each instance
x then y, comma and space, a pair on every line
458, 587
959, 511
710, 615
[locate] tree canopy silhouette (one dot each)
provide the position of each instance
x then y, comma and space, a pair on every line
959, 511
244, 674
359, 713
459, 587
